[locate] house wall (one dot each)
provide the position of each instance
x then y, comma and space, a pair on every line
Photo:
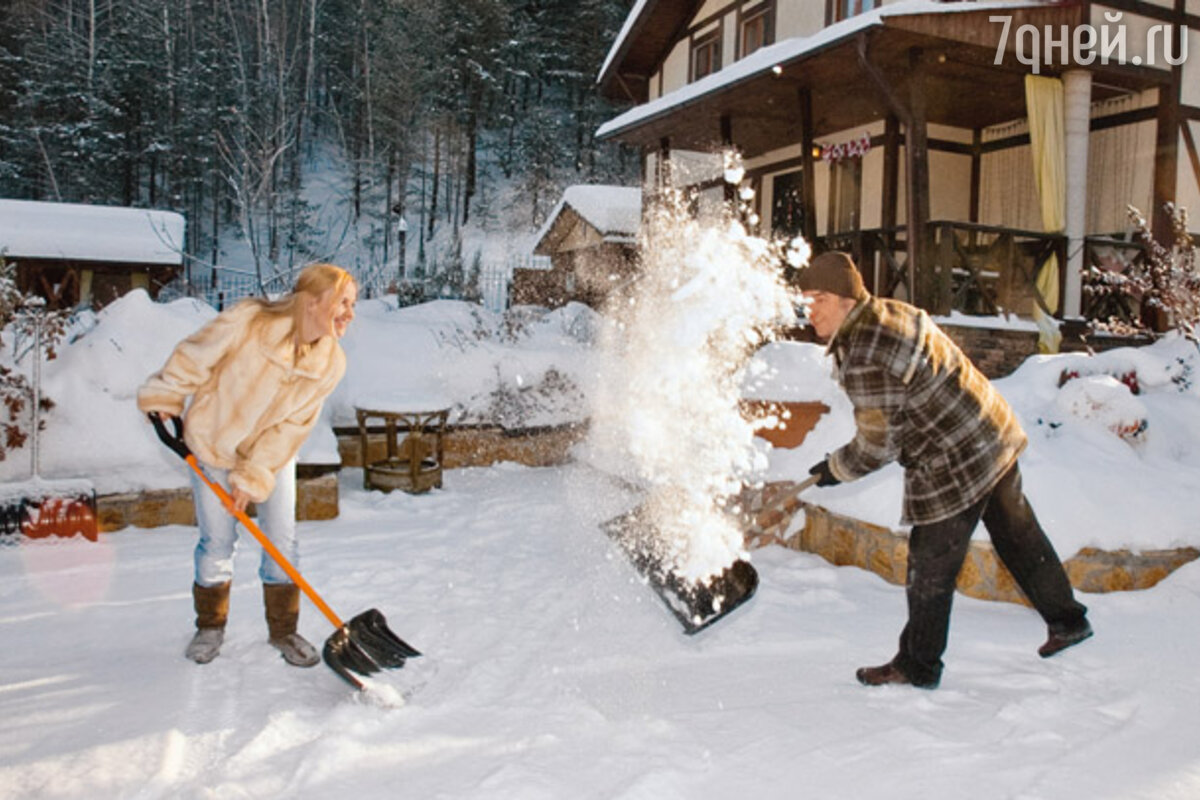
586, 274
797, 18
1187, 186
581, 235
538, 287
1191, 70
674, 72
1187, 191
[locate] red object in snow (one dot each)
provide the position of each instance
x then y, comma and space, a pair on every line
63, 516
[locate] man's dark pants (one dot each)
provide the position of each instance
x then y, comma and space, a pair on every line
935, 555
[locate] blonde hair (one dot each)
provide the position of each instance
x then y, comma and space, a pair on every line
313, 281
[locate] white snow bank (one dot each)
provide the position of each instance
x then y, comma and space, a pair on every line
1104, 467
516, 370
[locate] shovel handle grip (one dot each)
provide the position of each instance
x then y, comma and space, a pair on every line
171, 440
807, 482
176, 443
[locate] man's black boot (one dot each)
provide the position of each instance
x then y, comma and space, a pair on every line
890, 673
1060, 639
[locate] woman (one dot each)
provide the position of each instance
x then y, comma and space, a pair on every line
257, 376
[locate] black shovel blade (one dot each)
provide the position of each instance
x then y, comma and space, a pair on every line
696, 605
699, 605
365, 645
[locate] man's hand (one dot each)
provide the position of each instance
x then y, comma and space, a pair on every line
824, 474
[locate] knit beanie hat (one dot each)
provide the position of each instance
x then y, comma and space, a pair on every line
832, 272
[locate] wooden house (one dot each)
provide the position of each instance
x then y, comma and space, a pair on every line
907, 131
83, 255
591, 240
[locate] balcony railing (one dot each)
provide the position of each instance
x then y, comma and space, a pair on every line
972, 268
1113, 255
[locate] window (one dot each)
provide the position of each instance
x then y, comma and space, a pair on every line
755, 30
839, 10
845, 194
706, 54
787, 204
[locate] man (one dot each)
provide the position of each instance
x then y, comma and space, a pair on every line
919, 400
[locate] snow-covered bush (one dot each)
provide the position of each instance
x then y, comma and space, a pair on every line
1166, 280
21, 316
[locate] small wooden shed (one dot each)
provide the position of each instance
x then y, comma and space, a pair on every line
87, 255
591, 240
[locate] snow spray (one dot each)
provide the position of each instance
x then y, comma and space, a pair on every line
667, 412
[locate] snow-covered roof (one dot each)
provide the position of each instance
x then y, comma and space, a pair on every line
33, 229
614, 211
767, 58
634, 13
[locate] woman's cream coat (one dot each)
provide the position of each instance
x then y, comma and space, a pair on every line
253, 401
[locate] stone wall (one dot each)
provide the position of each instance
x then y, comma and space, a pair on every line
844, 541
999, 351
477, 446
317, 488
316, 498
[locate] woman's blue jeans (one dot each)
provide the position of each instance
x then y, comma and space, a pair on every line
218, 528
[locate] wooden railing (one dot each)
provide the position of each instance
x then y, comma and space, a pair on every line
973, 268
1111, 255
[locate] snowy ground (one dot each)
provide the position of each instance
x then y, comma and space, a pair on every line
550, 672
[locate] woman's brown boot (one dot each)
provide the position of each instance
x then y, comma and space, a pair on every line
212, 609
282, 601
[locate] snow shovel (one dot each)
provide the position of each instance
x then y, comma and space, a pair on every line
365, 644
696, 605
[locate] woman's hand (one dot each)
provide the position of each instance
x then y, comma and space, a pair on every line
240, 500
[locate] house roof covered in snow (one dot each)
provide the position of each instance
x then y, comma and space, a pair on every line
773, 60
77, 232
648, 28
614, 212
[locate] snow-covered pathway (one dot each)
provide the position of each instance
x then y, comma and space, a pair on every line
551, 672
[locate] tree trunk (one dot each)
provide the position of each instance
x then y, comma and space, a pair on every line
472, 142
433, 191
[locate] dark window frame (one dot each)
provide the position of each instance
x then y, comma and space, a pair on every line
838, 10
766, 13
710, 42
845, 196
787, 203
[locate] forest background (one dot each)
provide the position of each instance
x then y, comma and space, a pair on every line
416, 142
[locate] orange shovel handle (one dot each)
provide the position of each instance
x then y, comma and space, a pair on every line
266, 543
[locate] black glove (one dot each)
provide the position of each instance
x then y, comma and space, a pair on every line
824, 474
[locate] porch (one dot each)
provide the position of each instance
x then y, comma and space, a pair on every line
980, 269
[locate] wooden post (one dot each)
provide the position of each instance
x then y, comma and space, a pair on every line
916, 157
916, 141
664, 164
941, 298
1166, 149
891, 170
976, 171
727, 144
807, 178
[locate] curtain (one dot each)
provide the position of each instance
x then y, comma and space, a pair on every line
1047, 137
